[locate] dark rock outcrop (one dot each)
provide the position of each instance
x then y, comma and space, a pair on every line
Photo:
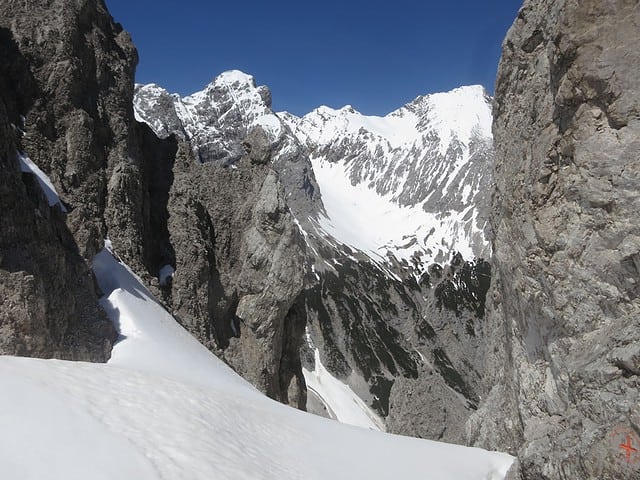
68, 69
80, 129
48, 301
563, 328
78, 113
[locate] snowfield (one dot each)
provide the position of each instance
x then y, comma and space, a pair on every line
377, 226
164, 407
342, 403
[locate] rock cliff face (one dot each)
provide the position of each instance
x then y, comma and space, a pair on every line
562, 358
239, 267
78, 116
67, 68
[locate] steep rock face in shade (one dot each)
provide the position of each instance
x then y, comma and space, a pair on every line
79, 117
80, 128
68, 69
48, 302
562, 358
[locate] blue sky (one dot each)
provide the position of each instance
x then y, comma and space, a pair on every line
373, 54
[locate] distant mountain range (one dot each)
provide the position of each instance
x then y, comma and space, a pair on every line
411, 186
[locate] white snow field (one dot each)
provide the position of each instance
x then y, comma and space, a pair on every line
164, 407
374, 224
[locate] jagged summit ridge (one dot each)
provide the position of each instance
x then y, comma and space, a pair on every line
455, 113
215, 119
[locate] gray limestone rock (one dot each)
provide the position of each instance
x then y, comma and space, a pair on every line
428, 407
68, 71
79, 114
257, 145
563, 327
239, 257
239, 270
48, 300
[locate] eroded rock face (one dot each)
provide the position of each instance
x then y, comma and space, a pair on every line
68, 69
563, 328
239, 270
48, 302
68, 74
79, 111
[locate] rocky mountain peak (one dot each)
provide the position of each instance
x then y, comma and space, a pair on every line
235, 79
215, 119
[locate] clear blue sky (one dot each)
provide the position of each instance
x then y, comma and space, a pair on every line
373, 54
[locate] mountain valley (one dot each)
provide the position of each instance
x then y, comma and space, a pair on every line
463, 269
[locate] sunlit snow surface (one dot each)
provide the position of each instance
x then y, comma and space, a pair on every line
376, 225
164, 407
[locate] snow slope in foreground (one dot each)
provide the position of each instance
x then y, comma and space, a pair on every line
164, 407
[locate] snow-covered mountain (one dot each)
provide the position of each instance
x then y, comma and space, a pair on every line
392, 211
216, 122
398, 250
215, 119
412, 184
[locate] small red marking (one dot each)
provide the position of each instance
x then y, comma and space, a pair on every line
627, 446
